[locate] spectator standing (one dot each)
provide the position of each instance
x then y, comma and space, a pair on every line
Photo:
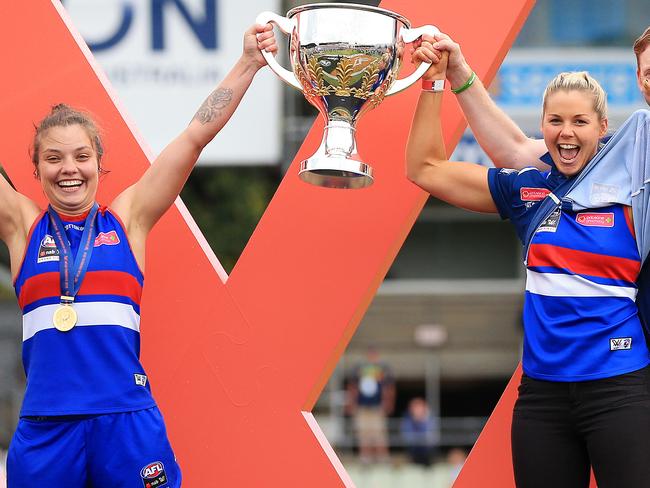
371, 399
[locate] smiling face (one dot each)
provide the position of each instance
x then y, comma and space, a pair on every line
68, 169
572, 129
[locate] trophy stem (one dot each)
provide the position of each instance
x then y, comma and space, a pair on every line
336, 163
339, 139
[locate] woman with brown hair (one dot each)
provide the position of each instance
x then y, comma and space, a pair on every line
88, 417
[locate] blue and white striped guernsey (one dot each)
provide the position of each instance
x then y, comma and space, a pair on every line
580, 317
95, 367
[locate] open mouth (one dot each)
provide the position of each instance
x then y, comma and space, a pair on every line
568, 152
69, 185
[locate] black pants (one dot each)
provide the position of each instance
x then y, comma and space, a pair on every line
560, 429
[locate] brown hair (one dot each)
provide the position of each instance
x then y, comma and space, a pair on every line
63, 115
641, 44
580, 81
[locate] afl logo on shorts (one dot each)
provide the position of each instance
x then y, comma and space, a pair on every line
153, 475
47, 250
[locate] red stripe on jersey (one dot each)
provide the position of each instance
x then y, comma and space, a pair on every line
629, 219
45, 285
584, 263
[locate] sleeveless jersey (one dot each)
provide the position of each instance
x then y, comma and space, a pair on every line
94, 368
580, 317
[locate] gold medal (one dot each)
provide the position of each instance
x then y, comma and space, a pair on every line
72, 268
65, 318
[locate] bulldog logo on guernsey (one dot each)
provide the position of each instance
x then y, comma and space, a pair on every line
47, 250
153, 475
107, 239
594, 219
533, 194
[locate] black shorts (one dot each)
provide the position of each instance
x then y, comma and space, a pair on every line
560, 430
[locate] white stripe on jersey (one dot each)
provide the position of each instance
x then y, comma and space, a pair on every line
88, 313
564, 285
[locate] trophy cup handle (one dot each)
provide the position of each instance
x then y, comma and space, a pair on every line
286, 26
410, 35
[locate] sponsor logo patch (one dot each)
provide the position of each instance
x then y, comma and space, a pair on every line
140, 379
620, 343
47, 250
593, 219
153, 475
533, 194
107, 239
603, 193
551, 222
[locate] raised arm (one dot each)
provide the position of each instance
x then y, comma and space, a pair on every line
498, 135
461, 184
141, 205
17, 213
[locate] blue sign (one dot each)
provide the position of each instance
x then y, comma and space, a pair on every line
522, 84
205, 29
469, 150
203, 26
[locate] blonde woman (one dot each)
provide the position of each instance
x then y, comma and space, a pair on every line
584, 399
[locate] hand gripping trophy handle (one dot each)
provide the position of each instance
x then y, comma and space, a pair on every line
345, 59
410, 35
286, 26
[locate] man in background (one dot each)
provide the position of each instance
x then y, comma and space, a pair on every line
371, 399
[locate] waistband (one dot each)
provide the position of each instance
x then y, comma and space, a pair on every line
58, 418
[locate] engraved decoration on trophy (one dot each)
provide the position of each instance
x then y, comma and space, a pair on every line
345, 60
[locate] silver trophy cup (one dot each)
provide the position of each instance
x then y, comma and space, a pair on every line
345, 60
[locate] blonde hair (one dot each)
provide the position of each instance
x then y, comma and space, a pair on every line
641, 44
579, 81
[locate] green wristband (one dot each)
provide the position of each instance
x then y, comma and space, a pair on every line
470, 81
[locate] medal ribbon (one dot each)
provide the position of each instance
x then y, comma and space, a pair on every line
72, 274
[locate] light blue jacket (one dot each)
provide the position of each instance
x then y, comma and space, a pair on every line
620, 173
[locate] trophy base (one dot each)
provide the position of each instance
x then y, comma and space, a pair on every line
336, 172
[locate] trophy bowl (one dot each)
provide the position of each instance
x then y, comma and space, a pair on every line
345, 59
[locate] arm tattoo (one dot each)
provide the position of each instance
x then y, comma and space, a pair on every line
213, 105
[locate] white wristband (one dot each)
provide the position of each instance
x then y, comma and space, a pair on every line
433, 85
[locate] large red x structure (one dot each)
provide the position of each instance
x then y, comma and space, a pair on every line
238, 362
